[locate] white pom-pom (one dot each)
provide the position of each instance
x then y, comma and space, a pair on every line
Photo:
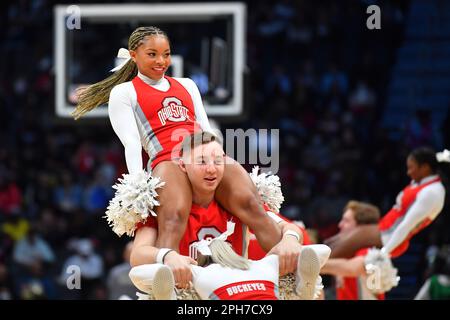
133, 202
443, 156
382, 275
269, 188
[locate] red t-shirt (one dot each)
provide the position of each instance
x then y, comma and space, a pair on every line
349, 289
204, 223
256, 252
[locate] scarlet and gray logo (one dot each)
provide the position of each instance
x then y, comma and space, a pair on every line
204, 233
173, 110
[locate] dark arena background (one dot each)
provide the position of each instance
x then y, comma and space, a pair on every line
350, 95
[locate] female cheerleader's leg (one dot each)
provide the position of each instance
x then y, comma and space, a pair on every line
237, 194
346, 244
175, 200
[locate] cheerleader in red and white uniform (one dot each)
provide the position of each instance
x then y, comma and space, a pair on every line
417, 205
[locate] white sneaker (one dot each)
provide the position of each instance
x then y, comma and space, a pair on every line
308, 269
163, 286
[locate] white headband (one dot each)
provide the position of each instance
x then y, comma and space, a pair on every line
203, 245
443, 156
122, 54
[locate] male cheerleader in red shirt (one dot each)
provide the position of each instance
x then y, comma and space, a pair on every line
351, 276
203, 160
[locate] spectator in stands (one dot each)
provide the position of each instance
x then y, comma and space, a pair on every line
15, 226
90, 264
119, 282
10, 195
32, 250
33, 258
68, 195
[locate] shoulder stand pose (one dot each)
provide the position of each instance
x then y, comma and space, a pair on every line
203, 162
152, 111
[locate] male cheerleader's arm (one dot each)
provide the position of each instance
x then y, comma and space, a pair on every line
289, 230
289, 246
124, 124
200, 113
425, 202
344, 267
144, 250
